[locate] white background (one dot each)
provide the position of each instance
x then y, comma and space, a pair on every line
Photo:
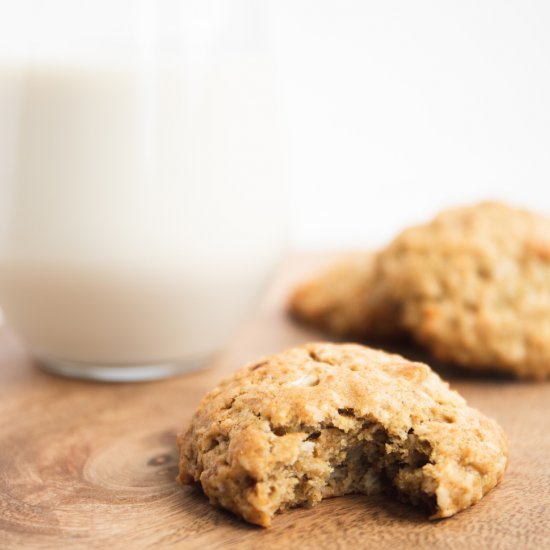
395, 109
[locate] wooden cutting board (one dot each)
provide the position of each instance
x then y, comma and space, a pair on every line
92, 465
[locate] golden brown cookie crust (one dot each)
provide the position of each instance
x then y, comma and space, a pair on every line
323, 420
337, 299
472, 286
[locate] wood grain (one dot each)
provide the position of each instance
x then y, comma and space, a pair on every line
86, 465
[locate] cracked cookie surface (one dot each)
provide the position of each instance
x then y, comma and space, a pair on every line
324, 420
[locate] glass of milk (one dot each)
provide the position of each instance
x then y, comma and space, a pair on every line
142, 207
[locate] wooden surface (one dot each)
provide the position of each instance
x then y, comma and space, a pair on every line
92, 465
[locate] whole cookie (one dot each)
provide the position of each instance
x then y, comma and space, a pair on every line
324, 420
473, 286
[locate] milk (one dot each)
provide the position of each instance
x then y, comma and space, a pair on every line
141, 212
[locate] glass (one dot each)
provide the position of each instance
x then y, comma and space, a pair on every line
142, 207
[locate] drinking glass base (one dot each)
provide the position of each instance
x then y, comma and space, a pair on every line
121, 373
